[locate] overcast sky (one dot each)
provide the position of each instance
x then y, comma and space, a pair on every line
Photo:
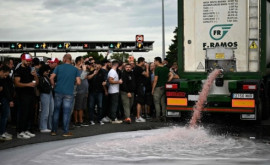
89, 20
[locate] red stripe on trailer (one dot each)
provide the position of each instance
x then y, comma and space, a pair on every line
214, 109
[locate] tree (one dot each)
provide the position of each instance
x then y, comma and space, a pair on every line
120, 56
95, 55
173, 48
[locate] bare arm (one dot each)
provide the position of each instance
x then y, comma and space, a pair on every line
35, 77
17, 82
170, 76
52, 79
78, 81
146, 73
176, 76
105, 88
111, 81
92, 75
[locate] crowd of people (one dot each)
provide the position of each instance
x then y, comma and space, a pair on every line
82, 92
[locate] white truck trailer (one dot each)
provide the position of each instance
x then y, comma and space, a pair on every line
233, 35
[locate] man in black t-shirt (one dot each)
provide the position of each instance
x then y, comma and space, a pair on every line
97, 87
4, 102
25, 81
106, 66
140, 79
127, 91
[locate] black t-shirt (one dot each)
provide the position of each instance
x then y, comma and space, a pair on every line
95, 84
8, 88
139, 78
105, 72
128, 84
26, 77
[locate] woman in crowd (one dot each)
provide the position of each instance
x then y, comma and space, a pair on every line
46, 99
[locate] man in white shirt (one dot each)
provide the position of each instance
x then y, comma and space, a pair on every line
113, 91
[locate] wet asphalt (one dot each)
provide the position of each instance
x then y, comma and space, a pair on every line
215, 124
80, 132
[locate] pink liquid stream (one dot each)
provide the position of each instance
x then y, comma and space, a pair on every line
198, 107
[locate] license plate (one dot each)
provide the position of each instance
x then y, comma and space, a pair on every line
193, 97
173, 114
248, 116
243, 96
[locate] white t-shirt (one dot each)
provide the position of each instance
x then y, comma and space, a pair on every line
113, 88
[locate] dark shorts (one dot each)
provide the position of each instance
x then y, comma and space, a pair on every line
140, 95
80, 102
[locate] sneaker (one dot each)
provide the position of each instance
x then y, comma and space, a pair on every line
83, 124
45, 131
101, 123
5, 137
53, 133
140, 120
77, 124
92, 123
128, 120
116, 121
106, 119
22, 135
7, 134
29, 134
67, 134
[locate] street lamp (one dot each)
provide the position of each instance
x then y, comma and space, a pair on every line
163, 32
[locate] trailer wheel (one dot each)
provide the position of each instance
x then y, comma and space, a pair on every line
265, 107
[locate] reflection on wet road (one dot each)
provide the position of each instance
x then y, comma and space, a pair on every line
171, 145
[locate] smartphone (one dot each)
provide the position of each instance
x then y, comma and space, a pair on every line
33, 69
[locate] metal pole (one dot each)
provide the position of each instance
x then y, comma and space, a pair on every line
163, 32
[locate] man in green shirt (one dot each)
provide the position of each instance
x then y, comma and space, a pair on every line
162, 75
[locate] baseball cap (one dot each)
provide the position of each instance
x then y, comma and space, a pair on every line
54, 60
26, 57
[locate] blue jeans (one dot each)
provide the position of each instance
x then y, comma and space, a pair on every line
5, 109
46, 114
66, 101
114, 104
95, 99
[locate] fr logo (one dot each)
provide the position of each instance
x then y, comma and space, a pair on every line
217, 32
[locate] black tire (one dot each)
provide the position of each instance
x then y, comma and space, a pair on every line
265, 107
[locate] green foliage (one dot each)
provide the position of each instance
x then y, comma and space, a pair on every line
120, 56
95, 55
173, 49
